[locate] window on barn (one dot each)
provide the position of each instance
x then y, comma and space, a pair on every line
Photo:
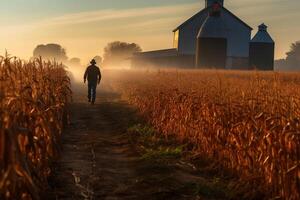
176, 39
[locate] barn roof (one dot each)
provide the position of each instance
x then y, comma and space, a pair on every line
157, 53
203, 11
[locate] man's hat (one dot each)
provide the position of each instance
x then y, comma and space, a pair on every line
93, 62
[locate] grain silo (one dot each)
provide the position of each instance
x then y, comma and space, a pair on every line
261, 55
211, 48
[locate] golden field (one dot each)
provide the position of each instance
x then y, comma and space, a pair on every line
33, 109
248, 122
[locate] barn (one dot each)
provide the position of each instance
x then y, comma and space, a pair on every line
212, 38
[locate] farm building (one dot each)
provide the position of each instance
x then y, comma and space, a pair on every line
212, 38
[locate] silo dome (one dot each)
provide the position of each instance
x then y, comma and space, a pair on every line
262, 49
211, 49
262, 35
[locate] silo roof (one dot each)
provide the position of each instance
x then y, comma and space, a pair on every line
157, 53
262, 35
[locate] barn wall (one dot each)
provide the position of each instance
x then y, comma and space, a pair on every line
188, 34
238, 36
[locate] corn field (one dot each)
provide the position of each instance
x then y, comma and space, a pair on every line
33, 109
248, 122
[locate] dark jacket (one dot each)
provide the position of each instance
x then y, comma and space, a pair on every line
92, 74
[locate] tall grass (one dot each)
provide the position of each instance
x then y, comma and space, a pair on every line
245, 121
33, 109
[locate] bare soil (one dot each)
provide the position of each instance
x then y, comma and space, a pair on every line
98, 160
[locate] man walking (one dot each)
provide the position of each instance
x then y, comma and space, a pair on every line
93, 75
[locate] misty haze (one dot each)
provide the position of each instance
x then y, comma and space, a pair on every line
152, 100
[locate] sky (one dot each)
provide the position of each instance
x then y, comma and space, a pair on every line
84, 27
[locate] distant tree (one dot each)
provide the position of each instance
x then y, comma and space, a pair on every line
116, 53
98, 60
292, 61
280, 64
293, 56
50, 52
75, 62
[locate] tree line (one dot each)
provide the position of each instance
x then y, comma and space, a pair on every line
292, 60
115, 53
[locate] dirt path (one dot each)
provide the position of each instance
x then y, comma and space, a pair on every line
98, 161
